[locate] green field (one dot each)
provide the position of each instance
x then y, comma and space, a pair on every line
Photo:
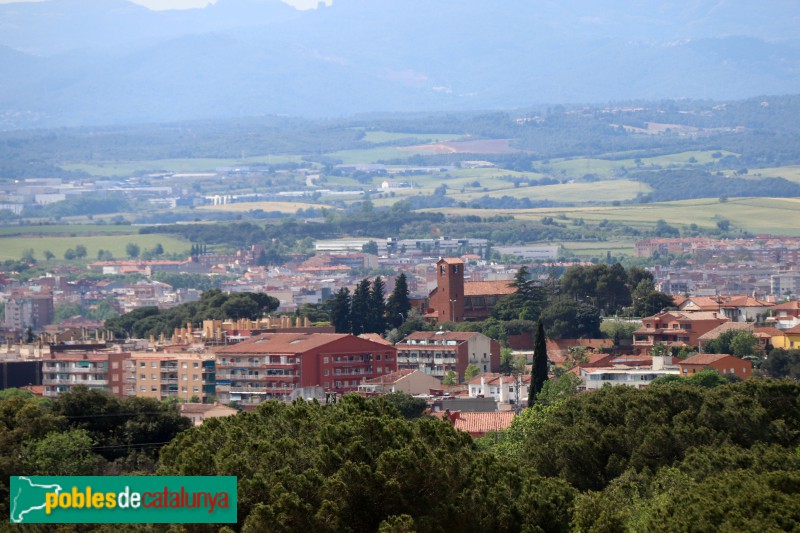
579, 167
282, 207
66, 229
199, 165
791, 173
15, 247
780, 216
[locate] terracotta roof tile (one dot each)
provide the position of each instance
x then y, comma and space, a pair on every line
480, 288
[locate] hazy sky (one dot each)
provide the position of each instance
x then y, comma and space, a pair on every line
185, 4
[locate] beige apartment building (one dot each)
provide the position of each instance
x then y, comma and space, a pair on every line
171, 375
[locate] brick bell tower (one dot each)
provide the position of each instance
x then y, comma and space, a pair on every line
448, 302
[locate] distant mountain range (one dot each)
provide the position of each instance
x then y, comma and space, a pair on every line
86, 62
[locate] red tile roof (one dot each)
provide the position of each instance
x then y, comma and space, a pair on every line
477, 424
704, 359
488, 288
284, 343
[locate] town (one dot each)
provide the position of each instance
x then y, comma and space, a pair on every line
221, 365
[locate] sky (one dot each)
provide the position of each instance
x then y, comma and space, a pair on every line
186, 4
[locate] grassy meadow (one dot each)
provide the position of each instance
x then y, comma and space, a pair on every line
780, 216
13, 247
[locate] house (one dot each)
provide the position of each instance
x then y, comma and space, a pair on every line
409, 381
272, 365
724, 364
675, 328
200, 412
439, 352
713, 334
785, 315
456, 300
503, 388
477, 424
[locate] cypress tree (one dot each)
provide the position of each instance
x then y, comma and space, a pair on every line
399, 305
359, 308
376, 318
539, 368
340, 311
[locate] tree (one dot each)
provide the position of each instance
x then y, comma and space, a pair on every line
61, 454
340, 311
132, 249
70, 254
398, 305
80, 251
370, 247
376, 315
48, 255
567, 319
539, 368
471, 371
359, 308
556, 390
450, 378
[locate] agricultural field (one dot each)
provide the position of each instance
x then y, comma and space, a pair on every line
790, 173
380, 137
129, 168
579, 167
244, 207
599, 191
780, 216
15, 247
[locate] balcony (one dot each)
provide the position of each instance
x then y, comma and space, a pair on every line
250, 390
170, 380
223, 388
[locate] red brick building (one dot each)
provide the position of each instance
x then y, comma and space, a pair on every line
272, 365
456, 300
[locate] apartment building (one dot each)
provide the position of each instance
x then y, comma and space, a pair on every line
439, 352
272, 365
29, 309
62, 371
171, 375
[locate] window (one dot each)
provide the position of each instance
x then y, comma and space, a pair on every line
153, 364
195, 365
153, 389
153, 376
114, 365
196, 389
142, 376
195, 377
142, 364
184, 365
378, 357
143, 388
184, 377
326, 371
183, 389
325, 360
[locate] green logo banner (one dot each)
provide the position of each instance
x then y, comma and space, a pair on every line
122, 500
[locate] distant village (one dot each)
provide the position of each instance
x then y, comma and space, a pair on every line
226, 365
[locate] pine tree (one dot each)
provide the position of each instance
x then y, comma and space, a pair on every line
340, 311
376, 318
398, 305
359, 308
539, 369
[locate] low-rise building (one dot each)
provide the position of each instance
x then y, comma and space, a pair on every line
200, 412
727, 365
439, 352
503, 388
675, 328
409, 381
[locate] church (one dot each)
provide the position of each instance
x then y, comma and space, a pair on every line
456, 300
